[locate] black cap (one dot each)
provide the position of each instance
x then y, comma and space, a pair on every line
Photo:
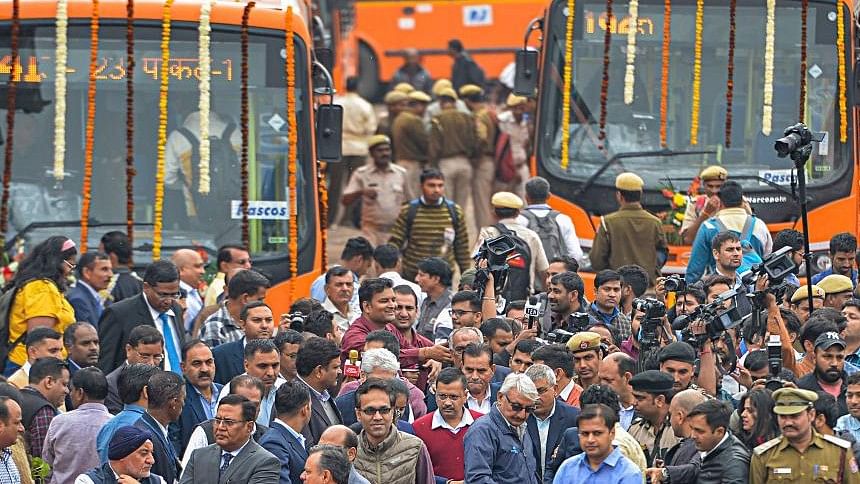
678, 351
652, 381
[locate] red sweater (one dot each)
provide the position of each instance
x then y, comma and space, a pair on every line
446, 448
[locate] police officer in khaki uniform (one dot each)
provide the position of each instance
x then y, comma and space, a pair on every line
484, 165
396, 102
631, 235
411, 138
652, 392
801, 454
453, 146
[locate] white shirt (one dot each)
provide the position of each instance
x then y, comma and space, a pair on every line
482, 407
398, 280
171, 320
193, 305
565, 392
85, 479
565, 227
343, 321
198, 440
439, 421
267, 406
543, 432
705, 454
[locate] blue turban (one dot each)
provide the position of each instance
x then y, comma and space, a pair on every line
126, 440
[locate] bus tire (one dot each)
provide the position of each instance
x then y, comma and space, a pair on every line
368, 74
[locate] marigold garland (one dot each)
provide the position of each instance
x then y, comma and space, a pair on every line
205, 64
290, 73
604, 85
804, 15
730, 77
323, 191
840, 52
246, 13
632, 30
568, 80
697, 74
12, 87
86, 189
664, 68
162, 129
767, 102
130, 172
62, 58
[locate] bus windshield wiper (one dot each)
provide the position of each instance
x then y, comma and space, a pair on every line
616, 158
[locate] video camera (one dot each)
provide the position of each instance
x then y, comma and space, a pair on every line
777, 266
654, 312
558, 336
495, 251
774, 363
675, 283
716, 316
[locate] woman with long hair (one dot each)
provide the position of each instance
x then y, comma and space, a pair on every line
758, 422
39, 284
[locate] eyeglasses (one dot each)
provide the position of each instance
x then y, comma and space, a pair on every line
442, 397
517, 408
70, 265
459, 312
543, 390
371, 411
157, 359
229, 422
168, 295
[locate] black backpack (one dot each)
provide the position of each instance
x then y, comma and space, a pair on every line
519, 267
224, 175
549, 232
6, 347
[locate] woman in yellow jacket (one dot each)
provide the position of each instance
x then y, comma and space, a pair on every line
39, 283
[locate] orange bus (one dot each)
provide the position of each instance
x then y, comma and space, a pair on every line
583, 185
41, 206
382, 30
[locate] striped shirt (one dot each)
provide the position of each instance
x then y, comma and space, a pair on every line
427, 237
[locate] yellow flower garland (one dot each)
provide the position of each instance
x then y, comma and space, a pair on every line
86, 190
205, 63
568, 80
290, 68
632, 30
840, 52
62, 58
162, 130
767, 102
697, 74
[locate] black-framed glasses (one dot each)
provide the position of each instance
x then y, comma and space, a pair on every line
517, 408
459, 312
229, 422
168, 295
371, 411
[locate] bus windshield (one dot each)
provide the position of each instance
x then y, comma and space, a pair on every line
189, 218
635, 127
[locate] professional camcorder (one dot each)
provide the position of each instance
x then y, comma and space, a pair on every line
777, 266
654, 312
558, 336
495, 251
716, 316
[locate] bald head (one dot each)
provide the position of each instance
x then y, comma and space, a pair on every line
341, 436
190, 265
684, 401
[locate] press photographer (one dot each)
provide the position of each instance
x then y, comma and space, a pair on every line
566, 303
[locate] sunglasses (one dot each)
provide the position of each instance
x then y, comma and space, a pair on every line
517, 408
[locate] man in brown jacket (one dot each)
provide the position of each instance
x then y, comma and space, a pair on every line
410, 136
484, 166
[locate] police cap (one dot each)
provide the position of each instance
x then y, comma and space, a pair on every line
471, 90
583, 341
506, 200
629, 182
803, 291
652, 381
419, 96
714, 172
394, 97
378, 139
836, 283
789, 401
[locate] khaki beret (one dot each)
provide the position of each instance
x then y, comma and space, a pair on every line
419, 96
439, 85
583, 341
377, 139
629, 182
514, 100
803, 291
789, 401
395, 97
447, 92
404, 87
470, 90
714, 172
836, 283
507, 200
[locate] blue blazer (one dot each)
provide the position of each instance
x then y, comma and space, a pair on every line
292, 454
564, 418
229, 361
167, 463
86, 307
192, 415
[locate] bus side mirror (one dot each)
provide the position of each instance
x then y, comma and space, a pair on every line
525, 77
329, 132
325, 56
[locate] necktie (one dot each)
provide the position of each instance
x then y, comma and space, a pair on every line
225, 463
170, 345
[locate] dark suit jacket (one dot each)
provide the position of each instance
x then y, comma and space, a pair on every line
500, 374
319, 420
86, 307
116, 323
287, 448
563, 418
192, 414
229, 360
167, 464
113, 402
253, 465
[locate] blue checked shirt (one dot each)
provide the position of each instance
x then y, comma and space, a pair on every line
8, 470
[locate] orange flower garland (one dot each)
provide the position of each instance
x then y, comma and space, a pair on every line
804, 15
162, 129
323, 191
290, 73
664, 79
246, 13
697, 74
129, 120
840, 52
730, 82
86, 190
604, 85
10, 119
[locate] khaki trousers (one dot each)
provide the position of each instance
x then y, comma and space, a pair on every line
458, 178
482, 191
413, 176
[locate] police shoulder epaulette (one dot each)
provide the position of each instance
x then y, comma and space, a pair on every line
761, 449
836, 440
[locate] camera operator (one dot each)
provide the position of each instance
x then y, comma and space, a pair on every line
607, 297
800, 301
565, 295
634, 283
794, 239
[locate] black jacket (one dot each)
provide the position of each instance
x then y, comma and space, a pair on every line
728, 463
810, 382
682, 462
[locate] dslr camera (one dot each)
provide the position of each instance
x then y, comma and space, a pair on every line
675, 283
654, 312
558, 336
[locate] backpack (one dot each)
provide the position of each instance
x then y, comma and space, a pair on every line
224, 173
504, 157
549, 232
6, 301
519, 267
751, 256
413, 211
